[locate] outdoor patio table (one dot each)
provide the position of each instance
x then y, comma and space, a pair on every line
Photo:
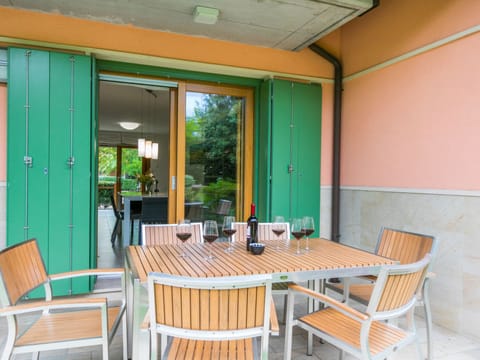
326, 259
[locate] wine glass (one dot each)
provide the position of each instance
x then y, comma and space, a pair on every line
309, 227
278, 228
228, 230
297, 231
210, 234
184, 232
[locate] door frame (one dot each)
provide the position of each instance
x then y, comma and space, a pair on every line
178, 90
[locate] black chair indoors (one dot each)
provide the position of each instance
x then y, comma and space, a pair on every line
154, 211
117, 228
135, 214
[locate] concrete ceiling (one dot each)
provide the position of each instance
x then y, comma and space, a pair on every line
282, 24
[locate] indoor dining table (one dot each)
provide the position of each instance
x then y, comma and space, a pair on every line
325, 259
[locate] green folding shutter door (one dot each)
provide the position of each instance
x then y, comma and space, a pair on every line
27, 135
54, 198
291, 116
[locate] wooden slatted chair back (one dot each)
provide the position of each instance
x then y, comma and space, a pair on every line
158, 234
265, 231
212, 309
406, 247
241, 231
397, 286
21, 270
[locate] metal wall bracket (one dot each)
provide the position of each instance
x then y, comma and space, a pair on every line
28, 160
71, 161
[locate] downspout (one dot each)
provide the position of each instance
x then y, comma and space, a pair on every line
337, 120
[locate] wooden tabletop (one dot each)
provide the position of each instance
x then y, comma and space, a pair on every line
324, 260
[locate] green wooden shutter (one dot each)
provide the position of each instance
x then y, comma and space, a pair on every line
52, 202
27, 147
290, 133
70, 156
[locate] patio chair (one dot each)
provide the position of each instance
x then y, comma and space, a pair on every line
64, 323
240, 231
204, 318
156, 234
365, 335
406, 247
265, 234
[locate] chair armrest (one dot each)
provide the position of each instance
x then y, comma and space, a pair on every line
345, 309
274, 326
87, 272
145, 325
35, 306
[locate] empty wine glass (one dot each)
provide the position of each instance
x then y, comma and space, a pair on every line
278, 228
309, 227
297, 231
184, 232
228, 230
210, 234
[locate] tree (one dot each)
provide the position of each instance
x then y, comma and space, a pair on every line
218, 117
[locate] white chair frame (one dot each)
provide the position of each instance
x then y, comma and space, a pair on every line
215, 283
365, 319
12, 307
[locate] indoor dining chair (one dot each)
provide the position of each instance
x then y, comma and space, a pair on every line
120, 215
405, 247
62, 323
209, 318
366, 335
157, 234
154, 211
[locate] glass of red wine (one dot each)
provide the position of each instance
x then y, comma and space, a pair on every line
184, 232
210, 234
278, 228
309, 228
298, 232
229, 230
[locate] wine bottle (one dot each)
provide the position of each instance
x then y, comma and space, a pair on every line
252, 226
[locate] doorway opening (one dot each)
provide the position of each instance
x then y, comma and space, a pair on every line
127, 112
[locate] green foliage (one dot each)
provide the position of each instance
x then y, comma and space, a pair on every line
107, 160
216, 120
215, 191
131, 163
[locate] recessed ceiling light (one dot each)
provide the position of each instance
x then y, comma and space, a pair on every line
205, 15
129, 125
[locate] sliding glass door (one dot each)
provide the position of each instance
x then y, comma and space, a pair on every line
217, 158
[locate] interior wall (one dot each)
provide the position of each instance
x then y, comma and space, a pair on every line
410, 139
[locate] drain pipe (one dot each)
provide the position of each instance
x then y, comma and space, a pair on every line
337, 119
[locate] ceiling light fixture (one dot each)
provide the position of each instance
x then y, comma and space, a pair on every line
129, 125
205, 15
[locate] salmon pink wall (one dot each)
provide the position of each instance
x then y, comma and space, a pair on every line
3, 130
327, 135
413, 124
398, 26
